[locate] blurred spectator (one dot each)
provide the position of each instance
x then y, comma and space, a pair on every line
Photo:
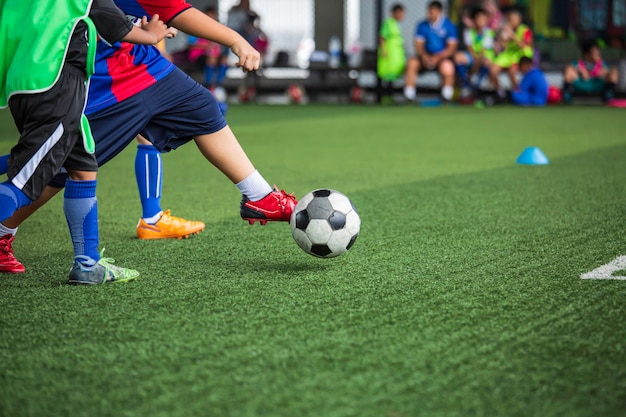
517, 40
436, 41
479, 41
255, 35
211, 55
533, 90
590, 74
239, 17
246, 22
391, 56
495, 18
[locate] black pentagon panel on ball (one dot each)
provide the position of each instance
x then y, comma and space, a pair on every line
337, 220
321, 250
352, 241
321, 193
320, 208
302, 220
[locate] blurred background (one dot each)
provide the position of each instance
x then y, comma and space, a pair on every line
300, 36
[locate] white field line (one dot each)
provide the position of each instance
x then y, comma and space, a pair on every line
606, 271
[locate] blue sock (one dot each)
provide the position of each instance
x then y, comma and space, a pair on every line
221, 74
149, 179
81, 212
208, 75
4, 164
11, 198
462, 71
482, 73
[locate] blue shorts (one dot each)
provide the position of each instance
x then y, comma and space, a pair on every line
169, 114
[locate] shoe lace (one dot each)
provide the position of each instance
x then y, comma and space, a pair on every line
284, 198
5, 245
115, 271
109, 268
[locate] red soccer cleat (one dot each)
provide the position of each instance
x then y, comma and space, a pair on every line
8, 263
277, 206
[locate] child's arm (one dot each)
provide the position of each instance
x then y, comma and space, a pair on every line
196, 23
151, 32
113, 26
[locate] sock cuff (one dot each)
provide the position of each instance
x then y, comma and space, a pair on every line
20, 199
147, 148
80, 189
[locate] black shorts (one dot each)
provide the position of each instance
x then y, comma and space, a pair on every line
50, 135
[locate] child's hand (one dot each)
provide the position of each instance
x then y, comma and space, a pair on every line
158, 27
249, 58
584, 74
507, 33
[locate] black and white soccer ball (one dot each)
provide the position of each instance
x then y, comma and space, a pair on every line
325, 223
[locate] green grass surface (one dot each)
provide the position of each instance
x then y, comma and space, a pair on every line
461, 297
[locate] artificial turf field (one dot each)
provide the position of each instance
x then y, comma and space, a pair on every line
461, 297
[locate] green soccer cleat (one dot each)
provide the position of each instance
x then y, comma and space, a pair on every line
87, 271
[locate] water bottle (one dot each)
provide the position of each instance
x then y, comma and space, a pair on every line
334, 50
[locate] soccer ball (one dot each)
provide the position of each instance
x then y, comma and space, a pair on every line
325, 223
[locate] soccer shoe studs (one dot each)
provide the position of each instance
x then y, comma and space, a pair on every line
169, 227
277, 206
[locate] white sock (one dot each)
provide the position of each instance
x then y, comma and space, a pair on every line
153, 219
409, 92
7, 230
447, 92
254, 187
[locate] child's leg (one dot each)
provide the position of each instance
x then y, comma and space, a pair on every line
4, 164
11, 199
149, 175
209, 71
155, 223
483, 71
512, 71
260, 202
221, 71
81, 212
223, 150
521, 98
462, 62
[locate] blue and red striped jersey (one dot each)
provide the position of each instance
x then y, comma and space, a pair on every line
124, 69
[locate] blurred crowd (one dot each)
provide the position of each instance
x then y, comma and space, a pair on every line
492, 42
490, 57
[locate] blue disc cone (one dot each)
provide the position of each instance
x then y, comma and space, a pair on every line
532, 156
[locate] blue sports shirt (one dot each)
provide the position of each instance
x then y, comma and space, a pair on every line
124, 69
436, 35
535, 84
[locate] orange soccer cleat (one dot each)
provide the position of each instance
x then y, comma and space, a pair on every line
169, 227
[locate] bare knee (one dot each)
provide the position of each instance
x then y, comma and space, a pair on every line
460, 58
613, 75
81, 175
570, 75
143, 141
446, 68
495, 70
412, 65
